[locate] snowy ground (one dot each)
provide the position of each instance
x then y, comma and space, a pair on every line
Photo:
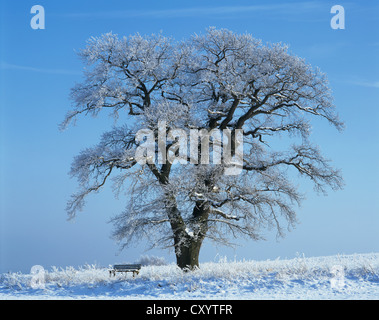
334, 277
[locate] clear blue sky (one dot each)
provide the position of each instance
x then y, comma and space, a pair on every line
38, 68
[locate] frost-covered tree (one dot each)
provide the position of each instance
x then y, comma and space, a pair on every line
217, 80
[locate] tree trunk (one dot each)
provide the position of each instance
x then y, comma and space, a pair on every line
187, 247
187, 255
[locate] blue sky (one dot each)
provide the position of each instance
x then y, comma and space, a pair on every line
38, 68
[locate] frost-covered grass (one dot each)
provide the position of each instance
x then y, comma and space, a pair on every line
334, 277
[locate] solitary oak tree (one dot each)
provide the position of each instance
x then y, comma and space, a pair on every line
217, 80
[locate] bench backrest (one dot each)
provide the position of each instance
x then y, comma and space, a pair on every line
127, 266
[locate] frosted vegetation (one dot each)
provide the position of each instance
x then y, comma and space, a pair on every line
213, 81
298, 278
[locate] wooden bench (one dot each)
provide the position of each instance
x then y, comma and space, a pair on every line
125, 268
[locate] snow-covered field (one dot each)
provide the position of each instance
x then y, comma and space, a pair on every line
333, 277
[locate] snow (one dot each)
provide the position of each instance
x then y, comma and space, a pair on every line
332, 277
189, 232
